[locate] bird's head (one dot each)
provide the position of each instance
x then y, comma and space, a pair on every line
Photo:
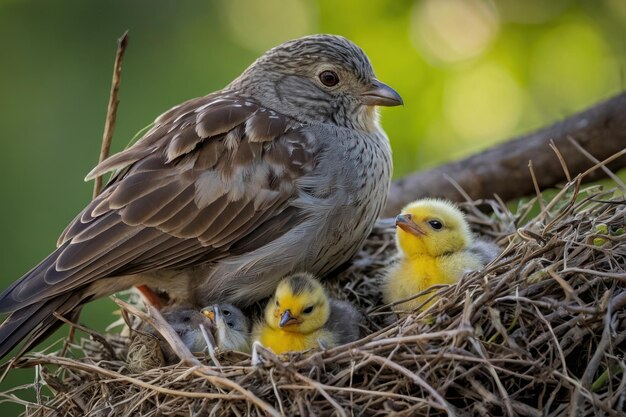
325, 78
186, 323
231, 325
299, 305
432, 227
227, 316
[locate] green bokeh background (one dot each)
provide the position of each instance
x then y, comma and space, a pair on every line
471, 72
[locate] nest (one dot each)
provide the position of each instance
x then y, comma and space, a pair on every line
539, 332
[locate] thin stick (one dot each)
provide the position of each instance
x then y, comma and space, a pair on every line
210, 343
321, 389
95, 335
109, 125
115, 376
593, 159
442, 403
561, 160
156, 320
604, 162
536, 185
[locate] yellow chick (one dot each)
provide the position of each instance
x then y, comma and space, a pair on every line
300, 316
435, 242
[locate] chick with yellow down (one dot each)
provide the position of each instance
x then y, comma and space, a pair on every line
436, 247
300, 316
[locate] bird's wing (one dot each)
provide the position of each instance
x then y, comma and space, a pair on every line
214, 176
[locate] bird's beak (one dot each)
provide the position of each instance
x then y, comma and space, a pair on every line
406, 223
380, 94
210, 313
287, 319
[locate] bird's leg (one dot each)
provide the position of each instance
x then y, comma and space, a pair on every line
151, 297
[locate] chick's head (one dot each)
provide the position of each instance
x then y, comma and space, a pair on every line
432, 227
231, 325
227, 316
299, 305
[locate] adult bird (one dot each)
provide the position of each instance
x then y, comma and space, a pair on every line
285, 169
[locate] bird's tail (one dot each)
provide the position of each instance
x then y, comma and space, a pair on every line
34, 322
41, 283
32, 301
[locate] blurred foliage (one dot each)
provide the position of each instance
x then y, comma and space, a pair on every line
471, 72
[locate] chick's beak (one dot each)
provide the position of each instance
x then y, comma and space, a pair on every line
210, 313
287, 319
406, 223
380, 94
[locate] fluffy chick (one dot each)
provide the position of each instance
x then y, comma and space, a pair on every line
231, 327
300, 316
184, 321
435, 244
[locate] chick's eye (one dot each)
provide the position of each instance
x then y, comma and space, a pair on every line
435, 224
277, 303
329, 78
308, 310
230, 324
226, 312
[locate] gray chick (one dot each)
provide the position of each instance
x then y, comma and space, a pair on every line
231, 327
147, 346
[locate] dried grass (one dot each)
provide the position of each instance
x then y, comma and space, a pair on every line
540, 332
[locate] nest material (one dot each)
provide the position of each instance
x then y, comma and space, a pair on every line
540, 331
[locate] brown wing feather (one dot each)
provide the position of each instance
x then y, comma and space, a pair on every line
214, 173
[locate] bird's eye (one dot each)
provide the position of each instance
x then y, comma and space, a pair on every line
186, 319
435, 224
277, 303
230, 324
308, 310
329, 78
226, 312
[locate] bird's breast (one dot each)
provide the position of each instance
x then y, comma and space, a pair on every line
281, 341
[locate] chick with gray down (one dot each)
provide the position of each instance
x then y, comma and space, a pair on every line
149, 350
228, 325
231, 327
285, 169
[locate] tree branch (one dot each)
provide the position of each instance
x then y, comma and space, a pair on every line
503, 169
109, 125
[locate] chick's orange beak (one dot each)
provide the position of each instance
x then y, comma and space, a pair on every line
209, 312
286, 319
406, 223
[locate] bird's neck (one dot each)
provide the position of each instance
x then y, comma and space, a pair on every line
368, 119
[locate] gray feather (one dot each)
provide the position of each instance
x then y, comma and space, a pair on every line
344, 321
484, 250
